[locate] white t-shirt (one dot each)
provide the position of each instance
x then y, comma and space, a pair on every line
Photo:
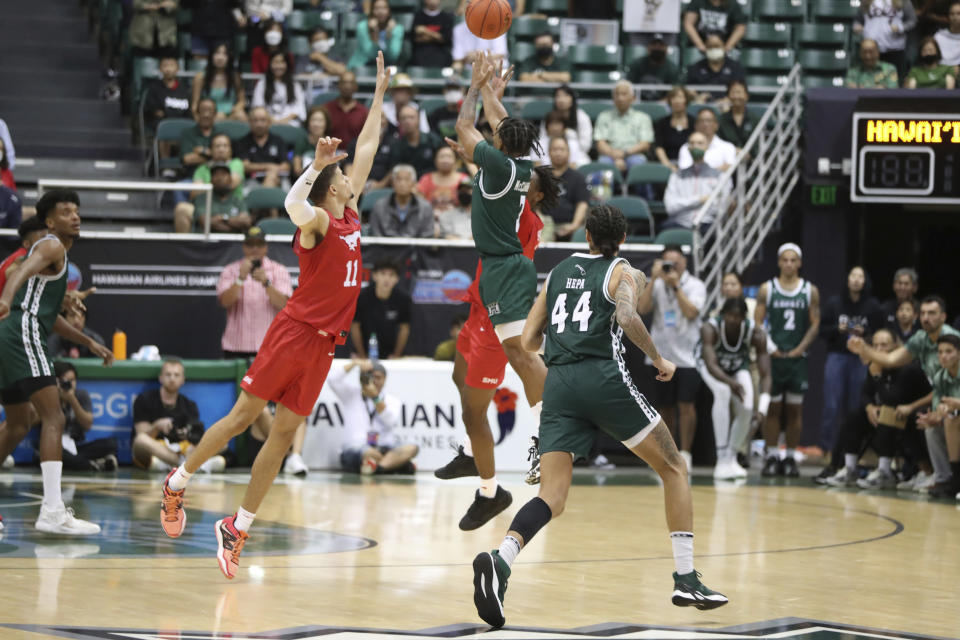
949, 46
675, 335
577, 156
464, 42
719, 153
360, 417
390, 111
279, 107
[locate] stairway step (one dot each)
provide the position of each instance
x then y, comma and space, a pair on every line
28, 84
71, 135
49, 56
82, 152
30, 169
57, 112
26, 30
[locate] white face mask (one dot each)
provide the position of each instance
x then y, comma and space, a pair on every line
322, 46
452, 96
273, 38
715, 53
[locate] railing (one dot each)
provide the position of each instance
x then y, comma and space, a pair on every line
125, 185
762, 179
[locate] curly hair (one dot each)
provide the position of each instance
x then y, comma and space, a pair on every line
607, 227
549, 186
734, 305
519, 137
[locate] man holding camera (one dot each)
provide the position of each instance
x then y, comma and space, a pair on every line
167, 423
78, 455
676, 297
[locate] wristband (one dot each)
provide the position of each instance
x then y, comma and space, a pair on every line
764, 404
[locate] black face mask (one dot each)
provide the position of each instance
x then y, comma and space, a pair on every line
222, 191
657, 55
465, 198
931, 59
544, 52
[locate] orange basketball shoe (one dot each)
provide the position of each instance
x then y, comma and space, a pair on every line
172, 516
230, 541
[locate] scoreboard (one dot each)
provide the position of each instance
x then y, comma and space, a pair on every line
905, 157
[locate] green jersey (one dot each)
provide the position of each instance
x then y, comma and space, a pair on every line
731, 357
498, 197
582, 323
944, 386
924, 350
788, 313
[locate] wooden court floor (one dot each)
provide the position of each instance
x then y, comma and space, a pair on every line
374, 557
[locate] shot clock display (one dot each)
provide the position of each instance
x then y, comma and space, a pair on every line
905, 158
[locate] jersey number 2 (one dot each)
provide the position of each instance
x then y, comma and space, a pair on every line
353, 269
789, 319
581, 312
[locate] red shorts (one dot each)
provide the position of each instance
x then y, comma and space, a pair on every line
291, 365
480, 346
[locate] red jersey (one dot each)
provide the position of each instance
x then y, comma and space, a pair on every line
326, 296
528, 232
6, 265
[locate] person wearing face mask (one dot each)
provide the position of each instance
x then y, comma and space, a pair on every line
443, 119
545, 65
689, 188
273, 42
432, 36
655, 67
454, 222
325, 60
715, 68
872, 72
930, 72
737, 124
720, 154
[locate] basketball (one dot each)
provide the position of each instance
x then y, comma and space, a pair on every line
488, 19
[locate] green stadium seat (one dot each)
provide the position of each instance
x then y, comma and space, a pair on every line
371, 197
833, 10
549, 7
586, 170
675, 236
580, 235
696, 107
766, 80
652, 173
635, 210
594, 109
405, 20
428, 73
655, 110
183, 45
767, 34
233, 128
811, 81
350, 22
240, 44
196, 64
300, 46
633, 52
767, 60
324, 97
265, 198
691, 55
279, 226
521, 51
824, 61
144, 69
184, 19
404, 6
429, 105
779, 10
596, 57
597, 77
297, 22
525, 29
536, 109
822, 36
169, 130
292, 135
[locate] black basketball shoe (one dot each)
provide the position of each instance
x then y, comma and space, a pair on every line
772, 467
490, 574
790, 468
483, 509
688, 591
462, 466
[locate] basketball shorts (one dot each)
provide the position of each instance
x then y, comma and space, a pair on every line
508, 286
788, 375
291, 366
480, 347
583, 397
23, 352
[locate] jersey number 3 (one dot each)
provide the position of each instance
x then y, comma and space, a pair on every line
581, 312
353, 269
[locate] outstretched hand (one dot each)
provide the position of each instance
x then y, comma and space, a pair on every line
482, 70
499, 79
383, 75
327, 153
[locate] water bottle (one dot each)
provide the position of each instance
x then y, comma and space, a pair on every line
373, 348
119, 345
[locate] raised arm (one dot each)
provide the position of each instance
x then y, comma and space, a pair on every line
311, 219
369, 139
625, 286
467, 133
492, 95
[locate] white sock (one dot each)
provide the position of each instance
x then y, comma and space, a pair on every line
790, 453
488, 487
682, 542
536, 410
884, 463
509, 549
244, 519
52, 470
468, 448
850, 461
179, 479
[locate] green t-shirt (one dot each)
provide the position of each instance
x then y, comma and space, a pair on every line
714, 18
192, 138
924, 350
202, 174
533, 64
935, 78
498, 197
883, 76
643, 70
944, 386
231, 206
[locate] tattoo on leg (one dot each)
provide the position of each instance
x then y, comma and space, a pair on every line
664, 440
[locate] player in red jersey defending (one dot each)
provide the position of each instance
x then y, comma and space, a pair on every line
296, 354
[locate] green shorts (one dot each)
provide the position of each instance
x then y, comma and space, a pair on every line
583, 397
788, 375
508, 287
19, 361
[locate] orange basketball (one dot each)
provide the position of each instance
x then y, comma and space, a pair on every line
488, 19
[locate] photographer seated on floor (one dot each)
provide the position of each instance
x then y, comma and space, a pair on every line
167, 424
79, 455
371, 418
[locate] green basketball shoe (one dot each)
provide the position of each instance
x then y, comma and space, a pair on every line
490, 573
688, 591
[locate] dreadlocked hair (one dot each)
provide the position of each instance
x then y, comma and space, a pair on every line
607, 228
731, 305
549, 187
318, 192
519, 137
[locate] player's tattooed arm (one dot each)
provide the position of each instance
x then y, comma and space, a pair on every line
632, 282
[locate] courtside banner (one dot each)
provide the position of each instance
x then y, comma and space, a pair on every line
162, 290
430, 417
